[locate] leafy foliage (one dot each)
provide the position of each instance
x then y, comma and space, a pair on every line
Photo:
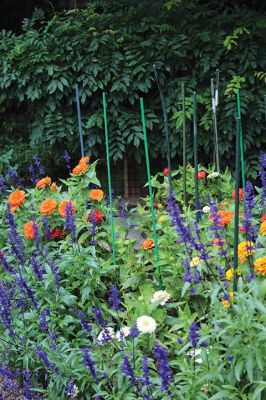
112, 46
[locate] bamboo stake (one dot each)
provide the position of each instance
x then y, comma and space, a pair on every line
166, 126
265, 108
150, 194
79, 122
184, 147
109, 178
237, 181
195, 146
215, 127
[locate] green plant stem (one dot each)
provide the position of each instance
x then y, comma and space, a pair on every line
241, 143
109, 178
150, 194
184, 147
195, 147
237, 180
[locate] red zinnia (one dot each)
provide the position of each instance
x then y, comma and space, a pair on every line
242, 229
241, 194
201, 175
263, 218
165, 172
57, 234
95, 216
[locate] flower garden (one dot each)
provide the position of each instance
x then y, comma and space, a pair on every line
87, 313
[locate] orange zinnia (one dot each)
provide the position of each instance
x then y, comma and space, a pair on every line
84, 160
48, 206
96, 194
29, 231
80, 169
43, 182
62, 207
225, 217
53, 186
16, 199
218, 243
147, 244
263, 228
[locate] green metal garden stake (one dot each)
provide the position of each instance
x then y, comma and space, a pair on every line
150, 194
241, 143
184, 146
79, 122
195, 146
237, 181
109, 178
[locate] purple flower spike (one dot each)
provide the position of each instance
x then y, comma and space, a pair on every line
194, 336
161, 356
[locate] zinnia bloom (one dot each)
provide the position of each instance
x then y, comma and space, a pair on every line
245, 249
16, 199
226, 217
43, 182
80, 169
230, 273
195, 261
218, 243
95, 216
57, 234
84, 160
146, 324
162, 296
48, 206
29, 231
263, 228
62, 207
96, 194
263, 218
226, 303
165, 172
260, 266
147, 244
241, 194
53, 186
201, 175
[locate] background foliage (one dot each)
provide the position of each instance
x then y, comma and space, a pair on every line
112, 46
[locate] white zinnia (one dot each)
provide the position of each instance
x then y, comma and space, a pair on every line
146, 324
161, 296
124, 332
206, 209
105, 335
213, 175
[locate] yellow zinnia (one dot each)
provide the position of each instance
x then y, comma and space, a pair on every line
260, 266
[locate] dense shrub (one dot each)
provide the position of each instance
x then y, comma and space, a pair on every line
112, 46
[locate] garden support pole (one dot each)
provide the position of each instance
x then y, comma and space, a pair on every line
195, 146
237, 181
241, 143
184, 147
109, 178
215, 127
79, 122
166, 127
150, 193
